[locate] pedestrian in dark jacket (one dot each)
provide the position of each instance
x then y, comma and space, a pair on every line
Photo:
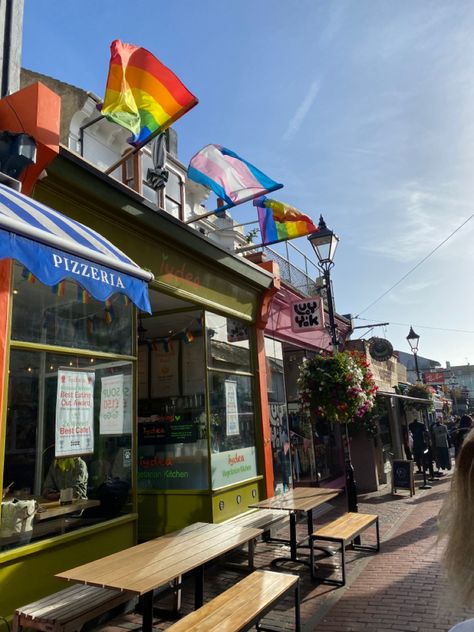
465, 425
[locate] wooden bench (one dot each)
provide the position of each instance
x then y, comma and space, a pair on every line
243, 605
343, 530
68, 610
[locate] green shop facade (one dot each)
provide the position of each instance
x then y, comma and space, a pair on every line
178, 394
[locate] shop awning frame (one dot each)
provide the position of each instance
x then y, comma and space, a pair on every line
54, 247
419, 400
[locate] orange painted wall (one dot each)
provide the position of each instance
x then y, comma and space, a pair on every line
262, 320
36, 111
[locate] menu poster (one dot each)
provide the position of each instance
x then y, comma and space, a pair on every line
74, 413
111, 417
165, 371
231, 409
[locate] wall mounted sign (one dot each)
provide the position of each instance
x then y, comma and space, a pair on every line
307, 315
380, 349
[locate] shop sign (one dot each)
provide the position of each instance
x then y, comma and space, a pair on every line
231, 408
167, 429
233, 466
112, 405
74, 413
307, 315
434, 378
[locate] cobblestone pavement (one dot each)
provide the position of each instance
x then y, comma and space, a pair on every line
400, 589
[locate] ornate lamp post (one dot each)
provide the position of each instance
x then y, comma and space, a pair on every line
413, 340
324, 243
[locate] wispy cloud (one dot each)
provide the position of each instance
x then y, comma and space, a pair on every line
421, 214
297, 119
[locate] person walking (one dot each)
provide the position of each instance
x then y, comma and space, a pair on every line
441, 444
465, 425
417, 429
455, 521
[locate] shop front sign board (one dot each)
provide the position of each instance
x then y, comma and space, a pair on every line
307, 315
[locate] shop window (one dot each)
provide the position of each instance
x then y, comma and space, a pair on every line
233, 456
231, 401
278, 409
172, 421
69, 432
67, 316
229, 344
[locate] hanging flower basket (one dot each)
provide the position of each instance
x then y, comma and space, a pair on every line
337, 388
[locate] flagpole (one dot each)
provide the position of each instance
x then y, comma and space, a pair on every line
252, 247
232, 205
158, 131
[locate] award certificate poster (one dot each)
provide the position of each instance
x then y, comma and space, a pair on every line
111, 418
74, 413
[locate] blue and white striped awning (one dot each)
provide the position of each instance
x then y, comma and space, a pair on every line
54, 247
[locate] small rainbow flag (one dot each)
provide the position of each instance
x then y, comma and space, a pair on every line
26, 274
59, 288
188, 336
83, 296
108, 316
280, 222
142, 94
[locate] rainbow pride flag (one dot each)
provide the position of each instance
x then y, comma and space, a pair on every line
188, 336
27, 275
83, 295
59, 289
280, 222
142, 94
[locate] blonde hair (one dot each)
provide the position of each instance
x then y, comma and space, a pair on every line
456, 522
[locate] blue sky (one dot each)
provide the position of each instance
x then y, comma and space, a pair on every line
362, 108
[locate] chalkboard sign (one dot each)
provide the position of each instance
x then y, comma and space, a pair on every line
403, 476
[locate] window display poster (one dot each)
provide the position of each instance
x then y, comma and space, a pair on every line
231, 408
193, 367
165, 371
233, 466
111, 417
74, 413
127, 404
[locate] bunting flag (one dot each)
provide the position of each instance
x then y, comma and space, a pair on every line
26, 274
280, 222
59, 289
188, 336
142, 94
229, 176
83, 296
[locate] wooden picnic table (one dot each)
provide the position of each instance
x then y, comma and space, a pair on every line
142, 568
304, 499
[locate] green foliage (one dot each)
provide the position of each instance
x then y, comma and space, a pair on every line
421, 391
337, 388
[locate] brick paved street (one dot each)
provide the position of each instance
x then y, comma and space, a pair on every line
400, 589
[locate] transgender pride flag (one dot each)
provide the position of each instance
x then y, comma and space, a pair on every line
232, 178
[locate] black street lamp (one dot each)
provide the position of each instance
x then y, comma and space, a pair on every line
413, 340
324, 242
